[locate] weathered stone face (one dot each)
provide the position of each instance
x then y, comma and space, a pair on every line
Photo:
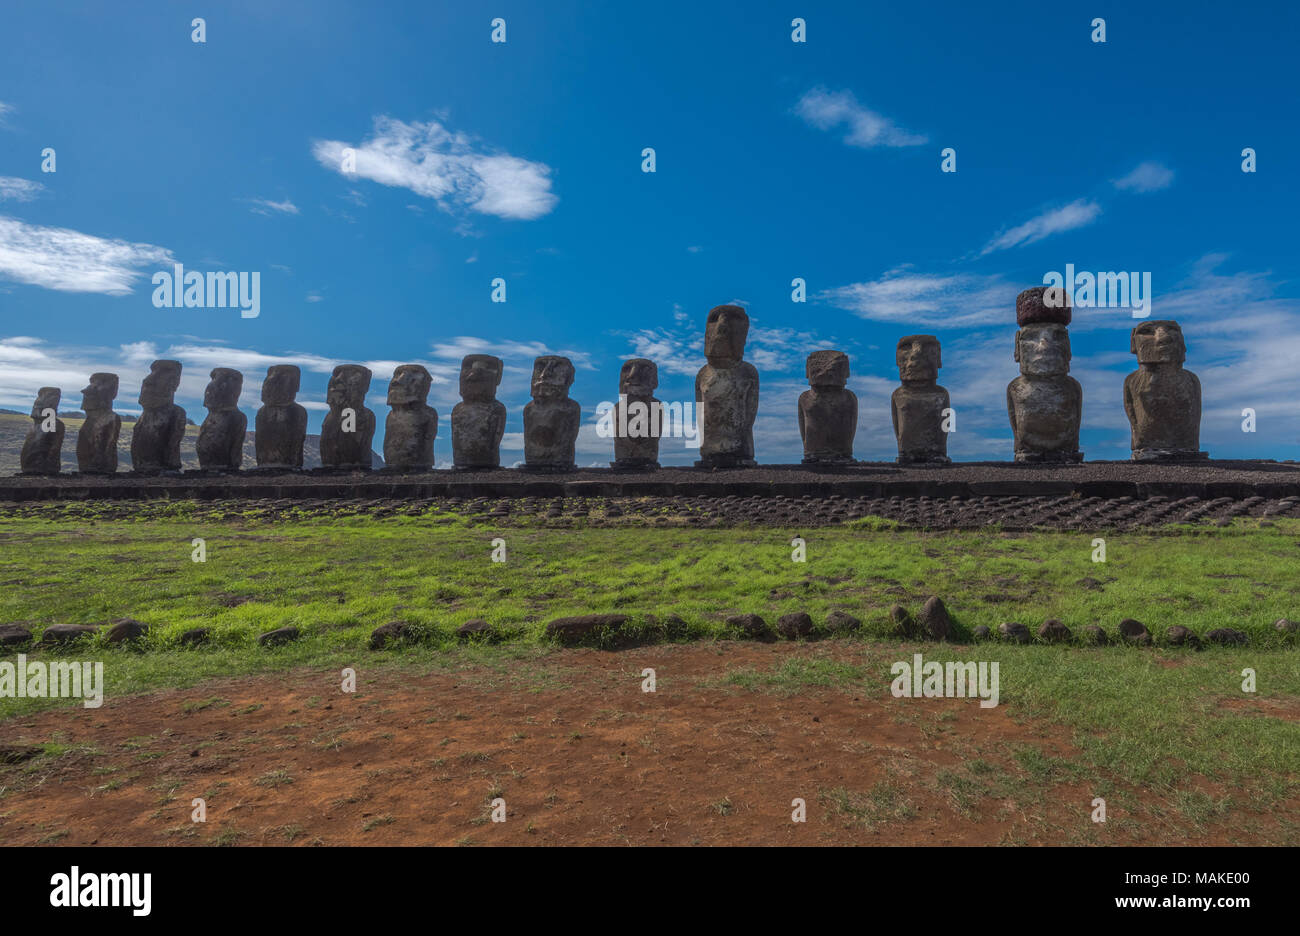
726, 392
220, 445
551, 420
725, 332
156, 437
479, 421
280, 387
1161, 399
918, 359
42, 449
412, 424
345, 438
1044, 403
281, 425
97, 438
1043, 350
480, 375
638, 377
159, 387
100, 393
828, 413
637, 417
917, 407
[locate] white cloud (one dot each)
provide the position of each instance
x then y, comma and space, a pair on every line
448, 167
1077, 214
265, 206
15, 189
5, 109
1147, 177
927, 300
827, 110
69, 261
458, 347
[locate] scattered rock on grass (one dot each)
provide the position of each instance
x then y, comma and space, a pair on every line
796, 625
60, 634
1135, 632
125, 629
385, 634
982, 632
573, 629
841, 622
904, 626
14, 635
195, 636
1054, 631
934, 620
1179, 636
1095, 635
1281, 624
1014, 631
474, 627
1226, 637
281, 635
751, 625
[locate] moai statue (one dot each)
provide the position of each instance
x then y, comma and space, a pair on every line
828, 412
220, 444
348, 428
281, 424
97, 438
551, 419
918, 405
1045, 403
638, 417
412, 423
479, 421
156, 440
726, 392
1163, 401
43, 448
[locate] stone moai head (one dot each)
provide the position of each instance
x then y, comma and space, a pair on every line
348, 386
281, 384
918, 359
1158, 342
1043, 350
725, 332
100, 393
480, 375
159, 387
223, 389
46, 398
638, 377
552, 377
410, 384
827, 369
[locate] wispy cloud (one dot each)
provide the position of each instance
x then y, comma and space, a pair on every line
457, 348
1077, 214
959, 300
70, 261
1147, 177
15, 189
264, 206
448, 167
5, 110
865, 128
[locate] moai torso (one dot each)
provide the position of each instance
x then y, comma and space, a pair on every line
220, 445
828, 411
412, 424
479, 421
637, 416
917, 407
345, 439
726, 391
42, 452
156, 438
551, 419
97, 438
1161, 399
281, 423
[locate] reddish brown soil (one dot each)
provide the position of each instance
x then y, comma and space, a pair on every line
580, 754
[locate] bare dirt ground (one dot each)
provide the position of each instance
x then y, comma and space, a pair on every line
579, 753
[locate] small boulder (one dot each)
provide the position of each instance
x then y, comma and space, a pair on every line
1226, 637
474, 628
795, 625
14, 635
981, 632
195, 636
60, 634
839, 622
385, 634
1179, 636
573, 629
1015, 632
1281, 624
17, 753
1134, 632
1054, 631
934, 620
904, 626
281, 635
751, 625
126, 629
1094, 635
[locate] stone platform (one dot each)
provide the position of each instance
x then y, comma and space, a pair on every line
1207, 481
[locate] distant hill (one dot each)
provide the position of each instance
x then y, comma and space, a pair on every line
14, 426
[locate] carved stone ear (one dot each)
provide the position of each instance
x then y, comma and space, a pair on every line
1133, 340
1017, 346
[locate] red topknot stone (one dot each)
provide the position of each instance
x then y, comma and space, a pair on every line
1043, 305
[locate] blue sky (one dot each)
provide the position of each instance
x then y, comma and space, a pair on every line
775, 160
